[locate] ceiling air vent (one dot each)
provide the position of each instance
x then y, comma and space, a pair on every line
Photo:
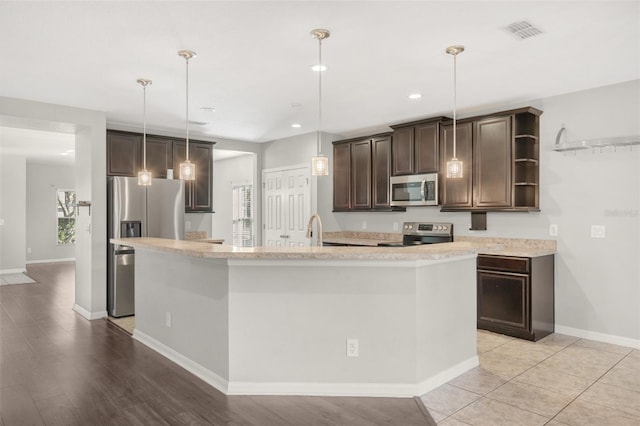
523, 30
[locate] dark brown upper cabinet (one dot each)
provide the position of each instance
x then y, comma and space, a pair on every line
416, 147
457, 193
361, 170
159, 156
198, 197
125, 158
500, 154
124, 153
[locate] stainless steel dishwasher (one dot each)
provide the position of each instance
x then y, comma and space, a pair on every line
123, 289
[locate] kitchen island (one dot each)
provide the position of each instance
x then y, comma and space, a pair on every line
276, 321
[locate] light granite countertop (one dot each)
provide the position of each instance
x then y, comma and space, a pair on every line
518, 247
224, 251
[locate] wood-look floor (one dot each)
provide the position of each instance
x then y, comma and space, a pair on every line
56, 368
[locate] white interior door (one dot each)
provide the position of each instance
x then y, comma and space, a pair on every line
286, 206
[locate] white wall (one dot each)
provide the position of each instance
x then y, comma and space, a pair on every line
226, 173
597, 280
43, 182
90, 184
12, 212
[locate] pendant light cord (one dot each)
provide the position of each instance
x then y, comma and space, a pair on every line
187, 107
144, 126
319, 139
454, 105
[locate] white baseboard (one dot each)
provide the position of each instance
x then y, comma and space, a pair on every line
69, 259
599, 337
89, 315
450, 373
191, 366
395, 390
389, 390
12, 271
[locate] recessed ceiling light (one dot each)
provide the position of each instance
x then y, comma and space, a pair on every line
319, 67
295, 105
71, 150
64, 153
415, 96
296, 125
208, 109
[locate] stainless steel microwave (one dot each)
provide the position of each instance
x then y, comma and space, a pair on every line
414, 190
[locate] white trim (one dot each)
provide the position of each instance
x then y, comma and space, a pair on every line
347, 263
191, 366
89, 315
68, 259
12, 271
382, 390
599, 337
444, 376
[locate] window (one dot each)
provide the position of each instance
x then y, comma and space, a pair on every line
242, 215
66, 217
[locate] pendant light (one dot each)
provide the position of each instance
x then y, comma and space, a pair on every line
454, 166
144, 176
320, 163
187, 168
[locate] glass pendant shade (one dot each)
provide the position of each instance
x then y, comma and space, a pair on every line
454, 168
320, 165
187, 170
144, 178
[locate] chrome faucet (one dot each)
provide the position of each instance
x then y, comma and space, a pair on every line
310, 226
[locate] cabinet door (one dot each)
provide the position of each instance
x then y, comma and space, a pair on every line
492, 162
361, 174
381, 152
124, 154
341, 176
457, 193
503, 299
426, 151
201, 154
159, 156
402, 146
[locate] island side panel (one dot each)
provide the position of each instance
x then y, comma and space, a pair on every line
446, 321
195, 293
289, 324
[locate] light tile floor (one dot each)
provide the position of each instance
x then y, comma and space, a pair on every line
559, 380
126, 323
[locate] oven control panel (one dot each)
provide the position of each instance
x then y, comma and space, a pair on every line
427, 228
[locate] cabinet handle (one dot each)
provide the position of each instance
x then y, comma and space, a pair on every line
284, 236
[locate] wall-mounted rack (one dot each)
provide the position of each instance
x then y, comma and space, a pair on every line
594, 143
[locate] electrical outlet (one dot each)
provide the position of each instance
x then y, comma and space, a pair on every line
187, 225
1, 222
353, 348
168, 319
597, 231
364, 224
395, 226
553, 230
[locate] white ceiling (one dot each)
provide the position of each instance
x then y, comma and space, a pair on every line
254, 59
38, 146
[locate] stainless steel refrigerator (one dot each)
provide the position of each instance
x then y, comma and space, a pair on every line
137, 211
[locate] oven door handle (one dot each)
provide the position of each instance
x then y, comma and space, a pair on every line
423, 188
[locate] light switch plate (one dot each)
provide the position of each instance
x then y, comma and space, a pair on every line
553, 230
597, 231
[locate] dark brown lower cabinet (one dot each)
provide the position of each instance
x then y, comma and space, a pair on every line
516, 295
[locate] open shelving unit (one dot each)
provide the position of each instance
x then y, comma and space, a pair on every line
622, 141
526, 155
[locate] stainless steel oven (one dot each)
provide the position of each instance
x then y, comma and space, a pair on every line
417, 233
414, 190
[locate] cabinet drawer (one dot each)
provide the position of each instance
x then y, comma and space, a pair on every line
504, 263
